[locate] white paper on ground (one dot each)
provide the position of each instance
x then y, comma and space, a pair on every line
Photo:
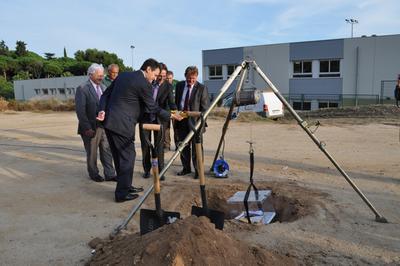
239, 196
256, 217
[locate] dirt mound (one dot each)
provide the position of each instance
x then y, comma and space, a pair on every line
192, 241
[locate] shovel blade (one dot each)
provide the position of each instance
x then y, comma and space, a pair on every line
150, 220
216, 217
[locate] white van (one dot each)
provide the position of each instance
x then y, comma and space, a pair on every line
268, 105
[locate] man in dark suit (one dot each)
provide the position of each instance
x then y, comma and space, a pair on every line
162, 95
190, 95
124, 102
167, 141
87, 105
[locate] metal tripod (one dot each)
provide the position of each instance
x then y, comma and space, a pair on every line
243, 67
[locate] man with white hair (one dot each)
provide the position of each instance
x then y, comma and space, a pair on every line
87, 99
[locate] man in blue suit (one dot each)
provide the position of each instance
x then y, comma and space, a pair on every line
124, 103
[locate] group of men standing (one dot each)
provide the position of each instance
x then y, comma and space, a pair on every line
108, 110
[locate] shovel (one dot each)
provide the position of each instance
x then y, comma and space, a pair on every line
152, 219
216, 217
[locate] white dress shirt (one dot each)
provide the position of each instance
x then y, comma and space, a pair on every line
184, 94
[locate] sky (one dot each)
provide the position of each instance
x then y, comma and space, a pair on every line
176, 31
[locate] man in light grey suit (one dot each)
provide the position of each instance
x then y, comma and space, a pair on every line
92, 132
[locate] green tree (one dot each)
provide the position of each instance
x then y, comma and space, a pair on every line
6, 89
32, 65
67, 74
65, 53
21, 75
79, 68
20, 49
3, 48
52, 69
100, 57
80, 55
49, 56
4, 61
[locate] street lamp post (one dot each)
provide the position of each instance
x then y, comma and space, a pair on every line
352, 22
132, 47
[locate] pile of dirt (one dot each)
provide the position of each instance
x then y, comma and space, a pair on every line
192, 241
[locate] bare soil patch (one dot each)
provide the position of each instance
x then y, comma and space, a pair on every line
50, 209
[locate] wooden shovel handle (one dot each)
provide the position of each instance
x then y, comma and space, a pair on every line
186, 114
156, 176
193, 113
200, 164
152, 127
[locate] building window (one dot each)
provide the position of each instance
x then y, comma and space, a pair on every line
302, 69
37, 91
306, 106
61, 91
327, 105
71, 90
53, 91
215, 72
329, 68
297, 105
333, 105
45, 91
302, 105
231, 69
322, 105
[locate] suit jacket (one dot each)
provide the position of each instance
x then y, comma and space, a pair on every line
87, 106
165, 100
125, 102
199, 99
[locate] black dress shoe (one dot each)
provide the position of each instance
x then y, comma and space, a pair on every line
113, 179
133, 189
98, 178
127, 197
184, 172
162, 178
146, 175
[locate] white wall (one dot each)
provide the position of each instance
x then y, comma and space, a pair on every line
25, 89
379, 59
274, 62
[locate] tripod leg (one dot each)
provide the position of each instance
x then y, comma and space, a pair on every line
303, 124
228, 117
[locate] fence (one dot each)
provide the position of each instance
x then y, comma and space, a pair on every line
317, 101
387, 91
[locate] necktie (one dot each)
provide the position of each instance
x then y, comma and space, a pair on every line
155, 92
186, 104
98, 91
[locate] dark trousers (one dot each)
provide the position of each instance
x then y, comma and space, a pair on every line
124, 154
189, 152
176, 137
99, 141
146, 160
167, 135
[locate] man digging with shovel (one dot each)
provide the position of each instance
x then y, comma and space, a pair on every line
128, 97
